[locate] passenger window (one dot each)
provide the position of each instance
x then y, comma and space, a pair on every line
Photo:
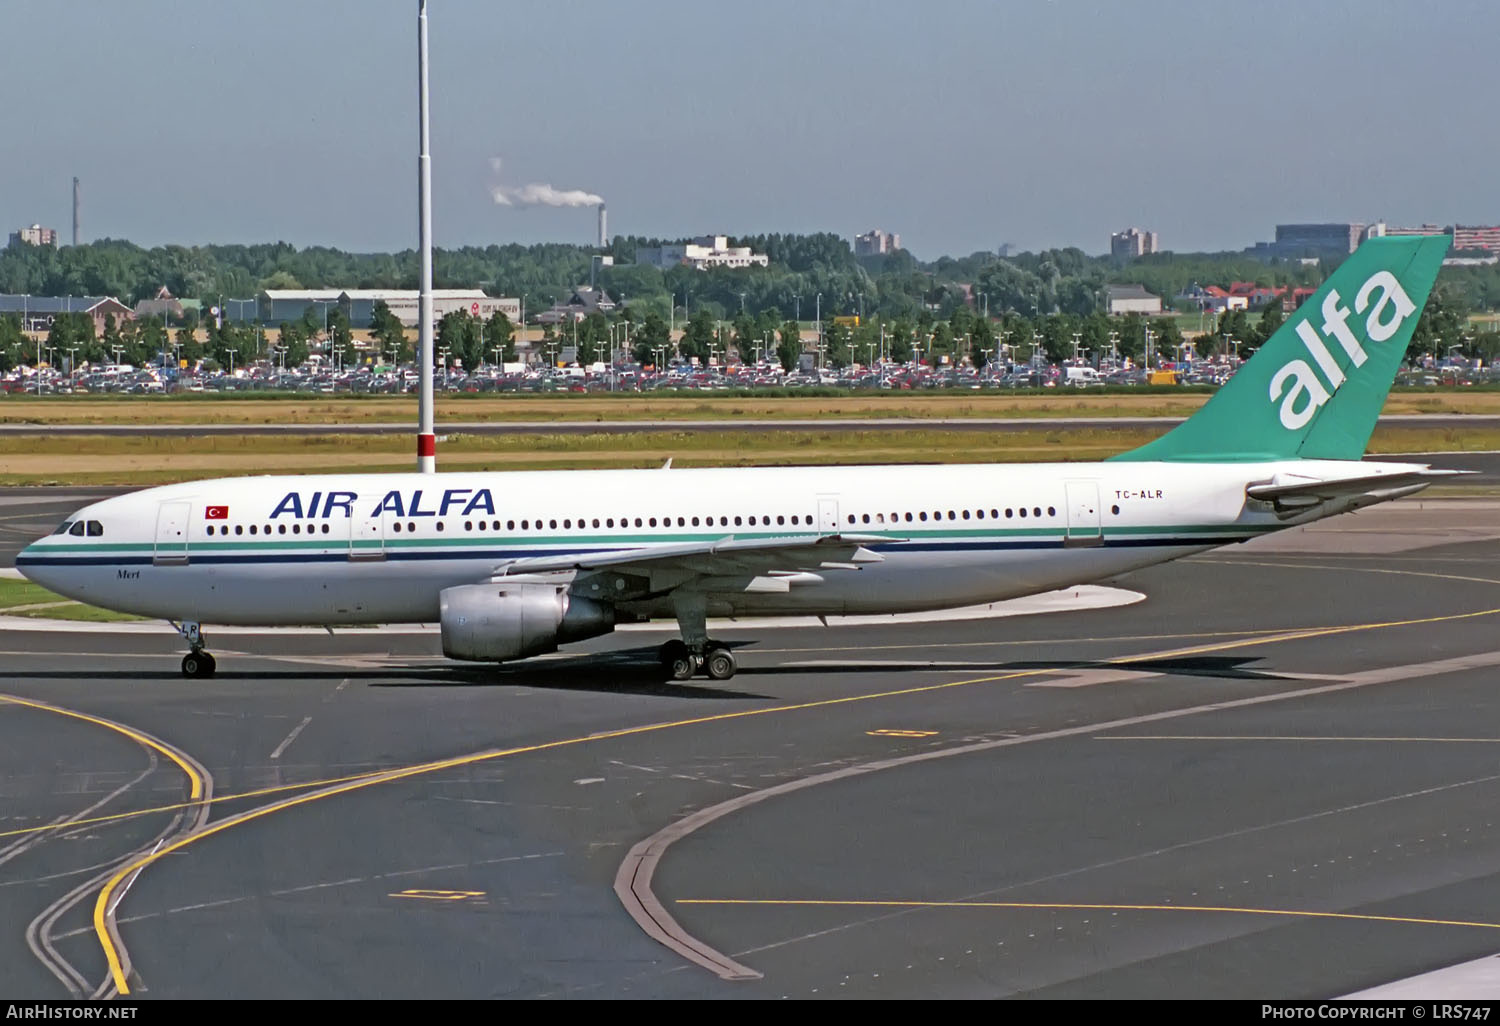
866, 518
1052, 511
1023, 511
567, 525
737, 521
439, 525
979, 513
653, 521
552, 524
296, 528
410, 526
596, 521
77, 529
781, 520
325, 528
1009, 513
281, 529
1036, 511
240, 529
922, 515
752, 521
681, 522
908, 518
252, 528
695, 521
966, 514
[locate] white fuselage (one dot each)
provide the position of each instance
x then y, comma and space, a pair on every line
379, 548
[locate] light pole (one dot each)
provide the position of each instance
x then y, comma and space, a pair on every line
798, 300
231, 353
117, 350
819, 316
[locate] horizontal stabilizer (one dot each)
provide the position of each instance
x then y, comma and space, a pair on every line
1293, 486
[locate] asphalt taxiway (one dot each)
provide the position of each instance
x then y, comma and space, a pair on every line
1275, 776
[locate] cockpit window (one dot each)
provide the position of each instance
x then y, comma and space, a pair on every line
95, 529
77, 529
62, 528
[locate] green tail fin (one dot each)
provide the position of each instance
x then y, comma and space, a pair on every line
1316, 387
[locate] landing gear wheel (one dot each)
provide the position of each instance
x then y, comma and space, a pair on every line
720, 664
670, 652
684, 666
198, 664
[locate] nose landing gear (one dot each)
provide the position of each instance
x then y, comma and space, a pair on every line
198, 662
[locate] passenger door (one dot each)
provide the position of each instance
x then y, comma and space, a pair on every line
828, 514
1084, 527
366, 535
172, 520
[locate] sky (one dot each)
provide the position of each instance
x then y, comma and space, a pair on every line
959, 124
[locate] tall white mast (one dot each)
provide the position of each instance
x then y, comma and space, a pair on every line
426, 439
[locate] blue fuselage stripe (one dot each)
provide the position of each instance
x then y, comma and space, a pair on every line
507, 553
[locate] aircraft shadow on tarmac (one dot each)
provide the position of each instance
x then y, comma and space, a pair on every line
1229, 667
636, 671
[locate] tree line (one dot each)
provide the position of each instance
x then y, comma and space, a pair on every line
1033, 299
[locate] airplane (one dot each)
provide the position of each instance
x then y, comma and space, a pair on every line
515, 564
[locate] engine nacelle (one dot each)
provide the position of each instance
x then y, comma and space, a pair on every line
495, 622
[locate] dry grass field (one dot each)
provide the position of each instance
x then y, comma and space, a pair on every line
133, 460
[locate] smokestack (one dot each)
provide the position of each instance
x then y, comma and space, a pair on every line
603, 228
75, 211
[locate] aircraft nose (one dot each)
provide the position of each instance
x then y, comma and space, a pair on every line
28, 562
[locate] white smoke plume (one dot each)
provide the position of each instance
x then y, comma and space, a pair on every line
539, 194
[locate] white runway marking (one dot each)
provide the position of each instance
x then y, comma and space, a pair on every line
1478, 980
291, 737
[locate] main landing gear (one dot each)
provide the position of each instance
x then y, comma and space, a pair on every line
197, 663
696, 651
715, 659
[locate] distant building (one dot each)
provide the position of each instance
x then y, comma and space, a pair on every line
703, 252
38, 312
1426, 229
1332, 239
876, 242
1133, 242
36, 235
583, 301
1123, 299
276, 305
1467, 236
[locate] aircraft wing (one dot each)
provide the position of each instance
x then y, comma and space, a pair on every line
727, 557
1294, 487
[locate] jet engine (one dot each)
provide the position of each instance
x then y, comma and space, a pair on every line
500, 621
